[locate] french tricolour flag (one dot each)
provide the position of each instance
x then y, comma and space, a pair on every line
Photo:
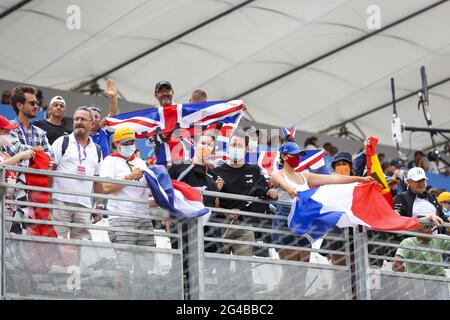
176, 196
318, 210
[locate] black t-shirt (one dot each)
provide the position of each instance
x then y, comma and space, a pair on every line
196, 177
247, 180
53, 131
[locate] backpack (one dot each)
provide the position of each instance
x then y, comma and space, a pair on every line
66, 143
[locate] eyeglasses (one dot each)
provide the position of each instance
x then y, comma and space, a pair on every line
33, 103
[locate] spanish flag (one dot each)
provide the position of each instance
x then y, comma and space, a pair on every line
374, 170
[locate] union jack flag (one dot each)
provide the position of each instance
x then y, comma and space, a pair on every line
172, 128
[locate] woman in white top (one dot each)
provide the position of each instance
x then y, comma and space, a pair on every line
287, 183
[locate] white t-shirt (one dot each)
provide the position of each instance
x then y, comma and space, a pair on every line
75, 159
422, 207
117, 168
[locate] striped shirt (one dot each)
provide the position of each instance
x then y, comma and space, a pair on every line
23, 141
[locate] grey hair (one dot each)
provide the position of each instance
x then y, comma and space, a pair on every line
84, 108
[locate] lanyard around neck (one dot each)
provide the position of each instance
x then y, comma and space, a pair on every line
79, 153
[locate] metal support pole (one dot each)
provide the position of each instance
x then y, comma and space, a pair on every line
196, 259
361, 263
348, 263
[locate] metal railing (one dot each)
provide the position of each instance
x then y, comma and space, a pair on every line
99, 269
46, 267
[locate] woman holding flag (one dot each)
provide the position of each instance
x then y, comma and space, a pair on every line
288, 183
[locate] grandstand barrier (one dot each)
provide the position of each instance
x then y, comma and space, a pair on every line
36, 267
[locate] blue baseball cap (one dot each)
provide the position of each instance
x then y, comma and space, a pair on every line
290, 148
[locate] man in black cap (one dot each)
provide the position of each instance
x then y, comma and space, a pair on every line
164, 93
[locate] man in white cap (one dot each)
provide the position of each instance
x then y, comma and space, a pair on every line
54, 125
416, 201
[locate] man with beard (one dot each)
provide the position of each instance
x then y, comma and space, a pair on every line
81, 156
54, 124
164, 93
75, 154
27, 136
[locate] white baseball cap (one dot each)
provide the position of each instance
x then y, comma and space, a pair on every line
416, 174
57, 99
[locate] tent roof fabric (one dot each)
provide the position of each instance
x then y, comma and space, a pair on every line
309, 63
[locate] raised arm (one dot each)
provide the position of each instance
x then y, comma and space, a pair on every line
111, 91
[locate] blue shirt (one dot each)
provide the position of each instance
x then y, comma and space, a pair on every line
101, 137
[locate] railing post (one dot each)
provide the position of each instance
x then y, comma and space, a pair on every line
348, 262
361, 263
2, 238
196, 259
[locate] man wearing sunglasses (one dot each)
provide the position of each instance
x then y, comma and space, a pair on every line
27, 136
98, 134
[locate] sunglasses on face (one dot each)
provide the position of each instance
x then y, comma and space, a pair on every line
95, 109
33, 103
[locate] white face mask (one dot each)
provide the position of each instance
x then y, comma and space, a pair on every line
236, 155
252, 145
5, 140
127, 151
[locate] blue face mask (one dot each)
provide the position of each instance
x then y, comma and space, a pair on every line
127, 151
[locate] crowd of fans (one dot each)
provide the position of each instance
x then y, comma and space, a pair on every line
87, 149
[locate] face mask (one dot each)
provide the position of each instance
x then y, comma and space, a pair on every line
343, 169
203, 151
252, 145
236, 155
446, 211
127, 151
293, 161
5, 140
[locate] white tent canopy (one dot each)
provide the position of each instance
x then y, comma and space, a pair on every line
312, 63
